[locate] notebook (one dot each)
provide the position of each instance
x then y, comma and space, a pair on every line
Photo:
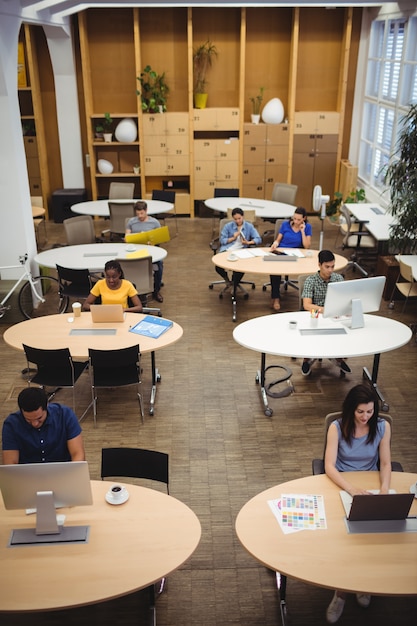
388, 506
107, 313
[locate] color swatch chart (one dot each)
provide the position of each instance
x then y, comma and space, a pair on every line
299, 512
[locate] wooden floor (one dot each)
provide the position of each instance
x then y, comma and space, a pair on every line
223, 449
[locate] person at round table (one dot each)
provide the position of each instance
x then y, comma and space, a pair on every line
358, 441
40, 432
143, 223
294, 233
235, 235
114, 289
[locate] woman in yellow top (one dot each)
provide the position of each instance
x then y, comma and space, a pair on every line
114, 289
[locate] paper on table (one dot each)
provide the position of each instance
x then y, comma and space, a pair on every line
293, 252
296, 512
243, 253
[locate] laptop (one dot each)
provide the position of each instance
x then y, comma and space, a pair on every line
107, 313
387, 506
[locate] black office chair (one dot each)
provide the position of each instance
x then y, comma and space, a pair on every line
56, 369
318, 464
114, 368
166, 196
74, 283
138, 463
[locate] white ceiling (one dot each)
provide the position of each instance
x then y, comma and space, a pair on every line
57, 11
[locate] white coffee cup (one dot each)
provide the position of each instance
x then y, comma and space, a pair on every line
76, 309
118, 492
292, 324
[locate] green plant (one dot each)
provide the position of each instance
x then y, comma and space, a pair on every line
203, 57
106, 126
154, 90
355, 196
401, 177
257, 101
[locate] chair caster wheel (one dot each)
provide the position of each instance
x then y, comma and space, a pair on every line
221, 296
151, 410
263, 288
253, 286
210, 286
246, 296
268, 412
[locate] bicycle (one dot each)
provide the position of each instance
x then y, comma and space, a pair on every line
38, 296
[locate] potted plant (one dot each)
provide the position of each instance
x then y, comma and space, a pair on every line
105, 128
203, 57
154, 91
256, 106
401, 177
333, 206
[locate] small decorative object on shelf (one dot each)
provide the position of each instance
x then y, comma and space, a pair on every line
136, 169
105, 128
126, 130
104, 166
273, 112
154, 92
256, 106
203, 57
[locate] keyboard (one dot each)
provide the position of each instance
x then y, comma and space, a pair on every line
377, 210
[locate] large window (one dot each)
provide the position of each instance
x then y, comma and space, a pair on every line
391, 86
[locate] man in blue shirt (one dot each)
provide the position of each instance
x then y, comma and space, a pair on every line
41, 433
235, 235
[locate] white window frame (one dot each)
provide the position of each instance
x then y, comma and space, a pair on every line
372, 146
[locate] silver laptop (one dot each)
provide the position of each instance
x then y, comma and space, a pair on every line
107, 313
388, 506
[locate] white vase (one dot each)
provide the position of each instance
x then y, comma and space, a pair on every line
273, 112
107, 137
126, 130
104, 166
255, 118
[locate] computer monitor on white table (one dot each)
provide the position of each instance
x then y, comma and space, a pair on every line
354, 298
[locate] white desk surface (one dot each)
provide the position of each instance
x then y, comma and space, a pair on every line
270, 334
53, 331
411, 260
383, 564
266, 209
377, 224
130, 547
101, 207
93, 256
256, 265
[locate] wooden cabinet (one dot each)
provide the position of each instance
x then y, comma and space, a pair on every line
265, 158
315, 153
36, 104
306, 61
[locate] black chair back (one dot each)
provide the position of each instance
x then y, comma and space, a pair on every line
135, 463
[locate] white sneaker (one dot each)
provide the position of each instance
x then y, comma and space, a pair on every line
335, 609
363, 599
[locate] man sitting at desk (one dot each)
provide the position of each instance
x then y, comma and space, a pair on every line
143, 223
40, 432
314, 295
235, 235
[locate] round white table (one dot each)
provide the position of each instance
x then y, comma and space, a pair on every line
271, 334
265, 209
101, 207
93, 256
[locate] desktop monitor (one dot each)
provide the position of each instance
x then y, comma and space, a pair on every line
45, 487
354, 297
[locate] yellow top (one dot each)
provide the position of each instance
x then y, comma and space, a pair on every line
114, 296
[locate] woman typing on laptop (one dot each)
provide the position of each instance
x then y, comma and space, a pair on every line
114, 289
358, 441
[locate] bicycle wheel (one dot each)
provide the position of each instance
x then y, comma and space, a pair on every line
48, 286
